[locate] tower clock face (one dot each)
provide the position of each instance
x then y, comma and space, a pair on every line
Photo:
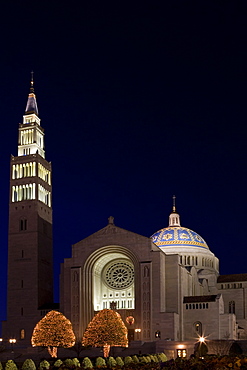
119, 274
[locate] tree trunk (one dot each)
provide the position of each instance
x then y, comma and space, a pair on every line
106, 350
52, 351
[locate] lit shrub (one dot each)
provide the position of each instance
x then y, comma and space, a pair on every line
111, 362
143, 360
135, 359
87, 363
44, 365
100, 362
155, 358
128, 360
10, 365
28, 364
58, 363
162, 357
119, 361
76, 362
1, 366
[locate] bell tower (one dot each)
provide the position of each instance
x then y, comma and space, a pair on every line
30, 269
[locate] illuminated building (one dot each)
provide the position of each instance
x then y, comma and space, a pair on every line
167, 288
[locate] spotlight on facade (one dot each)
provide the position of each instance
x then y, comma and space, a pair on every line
157, 334
12, 341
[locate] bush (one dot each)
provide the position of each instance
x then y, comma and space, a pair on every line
87, 363
143, 360
111, 362
28, 364
162, 357
44, 365
119, 361
100, 362
69, 363
135, 359
1, 366
155, 358
76, 362
58, 363
10, 365
127, 360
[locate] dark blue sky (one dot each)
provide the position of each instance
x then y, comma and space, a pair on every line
139, 101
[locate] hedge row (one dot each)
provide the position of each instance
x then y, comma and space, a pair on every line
87, 363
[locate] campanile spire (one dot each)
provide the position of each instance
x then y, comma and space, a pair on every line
31, 134
31, 101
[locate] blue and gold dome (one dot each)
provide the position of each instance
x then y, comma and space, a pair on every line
177, 236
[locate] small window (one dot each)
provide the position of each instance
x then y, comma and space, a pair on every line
198, 328
182, 353
23, 224
232, 307
22, 334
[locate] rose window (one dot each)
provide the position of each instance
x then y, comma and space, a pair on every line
119, 275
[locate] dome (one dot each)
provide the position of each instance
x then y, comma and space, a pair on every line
178, 239
178, 236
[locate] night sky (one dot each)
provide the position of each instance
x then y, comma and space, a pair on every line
139, 101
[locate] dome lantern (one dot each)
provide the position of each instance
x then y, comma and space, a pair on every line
174, 218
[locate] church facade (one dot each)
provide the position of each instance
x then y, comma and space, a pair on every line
166, 287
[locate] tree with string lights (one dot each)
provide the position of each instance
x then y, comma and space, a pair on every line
53, 331
106, 329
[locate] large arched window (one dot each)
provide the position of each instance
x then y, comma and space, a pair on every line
114, 282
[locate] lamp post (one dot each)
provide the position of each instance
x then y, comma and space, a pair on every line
201, 344
138, 331
12, 341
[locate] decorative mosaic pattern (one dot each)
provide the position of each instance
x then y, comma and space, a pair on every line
178, 236
119, 275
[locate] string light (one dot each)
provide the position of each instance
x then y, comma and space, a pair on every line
105, 330
53, 331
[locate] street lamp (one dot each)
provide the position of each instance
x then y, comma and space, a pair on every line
138, 331
12, 341
201, 346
